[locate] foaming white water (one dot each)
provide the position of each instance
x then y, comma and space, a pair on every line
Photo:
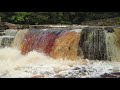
10, 32
12, 61
77, 30
34, 64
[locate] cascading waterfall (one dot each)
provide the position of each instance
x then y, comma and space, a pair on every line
10, 32
7, 36
66, 45
40, 51
5, 41
93, 43
18, 39
112, 42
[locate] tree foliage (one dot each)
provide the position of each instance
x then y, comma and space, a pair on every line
20, 17
54, 17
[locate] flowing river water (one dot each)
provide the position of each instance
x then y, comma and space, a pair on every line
86, 52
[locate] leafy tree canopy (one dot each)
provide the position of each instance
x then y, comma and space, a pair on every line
54, 17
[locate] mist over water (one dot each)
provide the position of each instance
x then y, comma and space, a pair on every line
59, 53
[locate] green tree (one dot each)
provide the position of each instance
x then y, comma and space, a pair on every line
20, 17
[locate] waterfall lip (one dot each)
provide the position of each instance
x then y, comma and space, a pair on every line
76, 30
74, 26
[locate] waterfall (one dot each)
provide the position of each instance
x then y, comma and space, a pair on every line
19, 37
66, 45
93, 43
5, 41
10, 32
60, 52
7, 37
112, 42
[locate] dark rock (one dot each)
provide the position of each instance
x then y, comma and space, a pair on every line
59, 76
109, 29
111, 75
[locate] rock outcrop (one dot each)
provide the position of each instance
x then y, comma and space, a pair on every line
9, 25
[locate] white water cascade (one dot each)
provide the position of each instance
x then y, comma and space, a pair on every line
95, 61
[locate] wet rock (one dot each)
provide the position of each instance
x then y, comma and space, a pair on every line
2, 26
111, 75
109, 29
9, 25
59, 76
76, 68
